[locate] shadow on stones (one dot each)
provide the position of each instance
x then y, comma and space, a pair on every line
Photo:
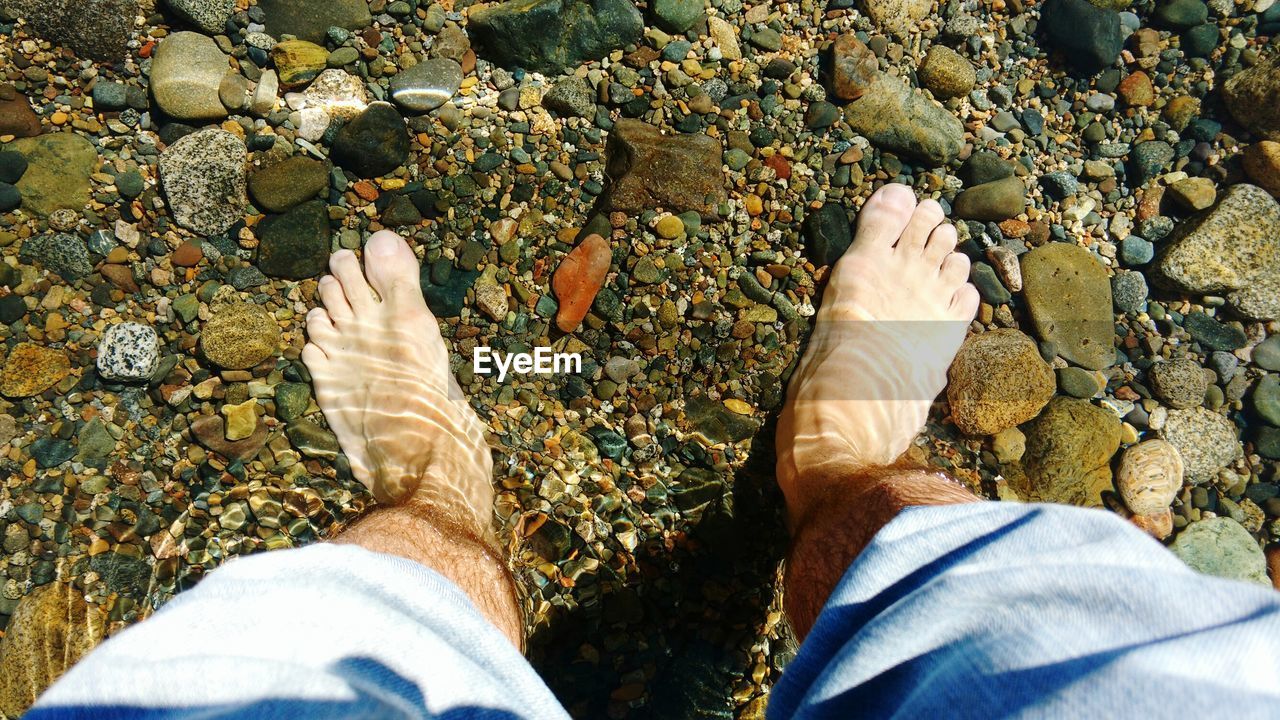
673, 638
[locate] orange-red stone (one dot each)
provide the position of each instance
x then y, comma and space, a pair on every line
578, 279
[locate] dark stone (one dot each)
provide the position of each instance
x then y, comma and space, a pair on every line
1212, 334
109, 95
827, 234
993, 201
17, 118
401, 212
12, 166
311, 21
1149, 159
10, 198
983, 167
445, 288
608, 443
1089, 36
1181, 14
94, 29
60, 253
12, 309
650, 170
295, 245
52, 452
1200, 41
676, 16
553, 36
984, 277
715, 421
374, 143
130, 184
278, 187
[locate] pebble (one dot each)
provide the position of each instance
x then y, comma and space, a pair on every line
298, 62
650, 170
310, 21
1069, 450
295, 245
210, 16
203, 176
1180, 383
1266, 399
129, 352
1129, 291
946, 73
16, 116
186, 72
58, 172
282, 185
240, 420
1206, 441
427, 85
1262, 164
60, 253
992, 201
900, 119
12, 166
1223, 548
553, 36
997, 381
571, 97
97, 30
1149, 476
828, 234
374, 143
854, 68
1266, 354
1068, 294
1078, 382
1089, 36
239, 335
578, 278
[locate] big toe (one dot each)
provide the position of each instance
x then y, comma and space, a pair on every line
885, 216
392, 268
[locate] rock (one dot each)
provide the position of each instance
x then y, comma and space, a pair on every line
203, 176
32, 369
997, 381
1262, 164
51, 628
129, 352
108, 95
12, 166
374, 143
1194, 194
827, 234
989, 285
313, 440
1235, 247
12, 309
1069, 297
263, 99
92, 29
946, 73
1149, 159
553, 36
897, 118
234, 92
1136, 90
993, 201
491, 298
1212, 334
1223, 548
94, 443
186, 72
676, 16
17, 118
1266, 354
210, 16
896, 16
10, 198
210, 431
295, 245
1200, 41
1078, 382
725, 37
1129, 291
298, 62
650, 170
1009, 445
445, 292
1069, 449
307, 20
572, 97
427, 85
1253, 98
854, 68
577, 280
63, 254
1149, 476
1180, 383
1180, 14
239, 335
983, 167
1206, 441
292, 400
337, 93
278, 187
240, 420
451, 43
1266, 399
57, 175
1090, 37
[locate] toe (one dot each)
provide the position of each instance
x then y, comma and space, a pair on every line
320, 327
941, 242
926, 217
955, 269
314, 358
392, 269
884, 216
344, 266
333, 298
964, 303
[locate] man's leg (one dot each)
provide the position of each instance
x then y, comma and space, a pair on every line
917, 601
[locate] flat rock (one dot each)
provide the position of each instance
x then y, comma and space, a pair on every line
239, 335
896, 16
997, 380
210, 431
1069, 297
854, 68
902, 120
93, 29
1206, 441
338, 93
553, 36
427, 85
1090, 37
374, 143
58, 170
307, 20
677, 173
49, 631
578, 278
298, 62
946, 73
31, 369
1069, 450
17, 118
1253, 97
59, 253
129, 352
291, 181
1233, 248
210, 16
994, 201
1223, 548
186, 72
295, 245
203, 176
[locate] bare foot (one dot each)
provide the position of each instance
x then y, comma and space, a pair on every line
381, 372
892, 318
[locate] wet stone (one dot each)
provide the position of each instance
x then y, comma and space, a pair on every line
295, 245
1068, 294
203, 176
186, 72
281, 186
238, 336
374, 143
552, 36
129, 352
311, 21
828, 234
427, 85
650, 170
58, 170
59, 253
